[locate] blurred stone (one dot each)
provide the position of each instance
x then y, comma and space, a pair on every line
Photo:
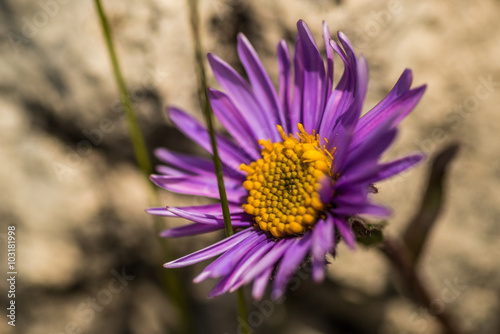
69, 181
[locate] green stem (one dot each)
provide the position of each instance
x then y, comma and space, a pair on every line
170, 280
138, 143
208, 114
242, 310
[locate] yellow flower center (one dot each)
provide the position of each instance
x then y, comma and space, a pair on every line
283, 185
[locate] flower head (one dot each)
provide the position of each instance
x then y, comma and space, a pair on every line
300, 163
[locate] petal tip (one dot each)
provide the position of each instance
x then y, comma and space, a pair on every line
277, 294
201, 277
164, 234
242, 38
213, 59
318, 276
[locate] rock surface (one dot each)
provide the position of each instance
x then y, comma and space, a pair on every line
70, 185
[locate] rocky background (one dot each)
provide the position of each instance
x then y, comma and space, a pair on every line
70, 185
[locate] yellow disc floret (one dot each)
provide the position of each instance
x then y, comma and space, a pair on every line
283, 185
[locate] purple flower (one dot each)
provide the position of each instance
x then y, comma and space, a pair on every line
301, 162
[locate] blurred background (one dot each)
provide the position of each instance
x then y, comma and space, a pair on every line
70, 185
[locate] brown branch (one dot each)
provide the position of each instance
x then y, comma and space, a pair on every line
419, 228
400, 258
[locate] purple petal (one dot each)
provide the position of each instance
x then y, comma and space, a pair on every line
322, 243
326, 190
401, 87
210, 251
329, 59
230, 154
229, 282
352, 86
340, 139
361, 70
313, 90
397, 166
349, 119
351, 196
285, 83
362, 81
261, 84
227, 261
210, 209
298, 87
339, 100
268, 261
160, 212
291, 260
333, 110
260, 284
345, 231
397, 110
184, 162
241, 219
362, 209
371, 149
366, 173
362, 175
189, 230
261, 121
234, 122
201, 186
347, 99
170, 171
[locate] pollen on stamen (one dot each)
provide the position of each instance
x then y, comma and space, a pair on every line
284, 184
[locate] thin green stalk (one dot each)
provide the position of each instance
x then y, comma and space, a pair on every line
138, 143
242, 310
208, 114
170, 280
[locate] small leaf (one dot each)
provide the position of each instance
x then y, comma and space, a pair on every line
420, 226
367, 234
